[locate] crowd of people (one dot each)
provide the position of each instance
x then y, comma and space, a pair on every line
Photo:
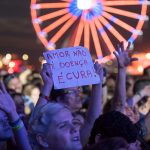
111, 115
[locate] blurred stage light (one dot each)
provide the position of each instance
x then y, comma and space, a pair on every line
88, 21
1, 64
12, 64
140, 69
10, 70
86, 4
25, 57
8, 56
148, 55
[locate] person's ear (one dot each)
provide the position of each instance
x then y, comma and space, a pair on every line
42, 140
97, 138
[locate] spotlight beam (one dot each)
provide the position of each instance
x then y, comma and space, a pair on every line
111, 29
86, 35
119, 22
122, 12
95, 39
50, 5
64, 28
104, 35
52, 15
79, 33
57, 23
123, 3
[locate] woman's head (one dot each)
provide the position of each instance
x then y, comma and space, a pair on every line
53, 129
12, 82
70, 97
32, 91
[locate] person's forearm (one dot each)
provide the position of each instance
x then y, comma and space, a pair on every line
20, 133
21, 139
93, 113
95, 103
119, 99
45, 91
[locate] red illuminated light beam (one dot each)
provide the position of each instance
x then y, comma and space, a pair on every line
79, 33
52, 15
57, 23
112, 29
86, 35
119, 22
123, 3
95, 39
121, 12
51, 5
33, 1
104, 36
64, 28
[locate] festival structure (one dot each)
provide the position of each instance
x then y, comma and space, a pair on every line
94, 24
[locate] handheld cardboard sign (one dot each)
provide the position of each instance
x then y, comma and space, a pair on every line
71, 67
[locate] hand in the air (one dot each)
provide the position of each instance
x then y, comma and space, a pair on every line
46, 74
122, 56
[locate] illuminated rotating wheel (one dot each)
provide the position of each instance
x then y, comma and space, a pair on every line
95, 24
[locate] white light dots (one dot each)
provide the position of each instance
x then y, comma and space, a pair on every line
10, 70
147, 55
86, 4
25, 57
8, 56
12, 64
1, 64
140, 69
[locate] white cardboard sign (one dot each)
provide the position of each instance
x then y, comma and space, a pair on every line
71, 67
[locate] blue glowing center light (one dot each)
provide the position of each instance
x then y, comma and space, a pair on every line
91, 12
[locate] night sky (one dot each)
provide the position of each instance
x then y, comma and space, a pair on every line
18, 36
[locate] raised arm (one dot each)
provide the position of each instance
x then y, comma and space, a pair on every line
46, 75
94, 109
7, 105
123, 61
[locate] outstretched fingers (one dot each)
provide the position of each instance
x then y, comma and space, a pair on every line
116, 54
128, 47
119, 48
133, 59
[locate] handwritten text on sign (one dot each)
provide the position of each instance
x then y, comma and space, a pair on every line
71, 67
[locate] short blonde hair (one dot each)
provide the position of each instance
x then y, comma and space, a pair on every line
41, 122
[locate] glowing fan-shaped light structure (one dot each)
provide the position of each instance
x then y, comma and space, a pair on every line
91, 23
